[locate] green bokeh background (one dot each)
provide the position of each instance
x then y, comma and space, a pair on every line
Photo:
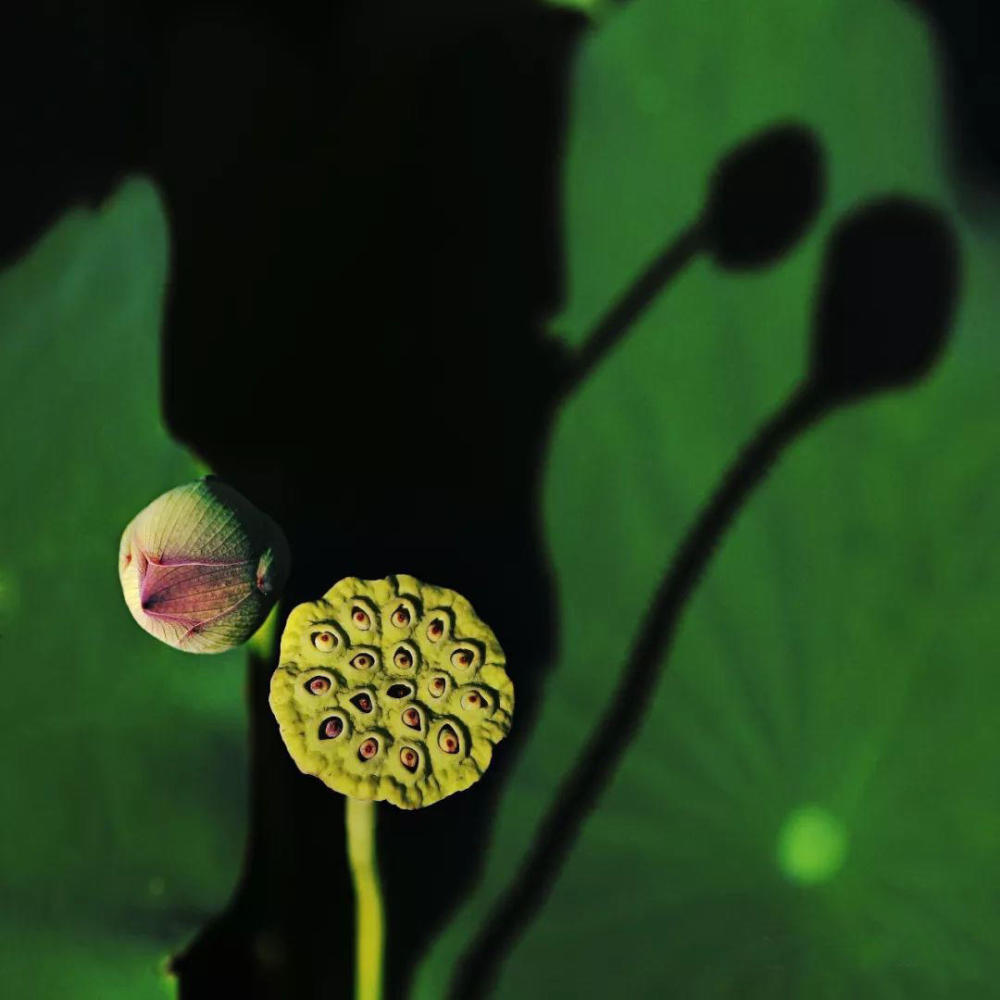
839, 655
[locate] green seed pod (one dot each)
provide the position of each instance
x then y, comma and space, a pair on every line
391, 690
201, 567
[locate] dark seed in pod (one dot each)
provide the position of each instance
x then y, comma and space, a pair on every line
363, 703
318, 685
438, 684
411, 718
408, 758
435, 630
403, 659
399, 690
401, 617
363, 661
368, 749
331, 728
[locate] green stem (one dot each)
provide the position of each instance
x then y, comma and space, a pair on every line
262, 641
369, 920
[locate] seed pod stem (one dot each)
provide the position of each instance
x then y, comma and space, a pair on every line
369, 936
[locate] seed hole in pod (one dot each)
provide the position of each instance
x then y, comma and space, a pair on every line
363, 661
435, 629
399, 691
409, 758
362, 702
463, 658
318, 685
331, 728
437, 686
325, 641
448, 740
401, 616
361, 619
411, 718
403, 658
473, 700
368, 748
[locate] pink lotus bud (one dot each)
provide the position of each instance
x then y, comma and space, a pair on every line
201, 567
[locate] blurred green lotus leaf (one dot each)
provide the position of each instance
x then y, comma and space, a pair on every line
123, 769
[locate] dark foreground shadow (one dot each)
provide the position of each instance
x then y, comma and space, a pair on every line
355, 342
366, 248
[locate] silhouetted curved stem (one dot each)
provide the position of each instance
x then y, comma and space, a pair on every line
614, 324
620, 721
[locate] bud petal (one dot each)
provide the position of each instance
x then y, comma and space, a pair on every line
201, 567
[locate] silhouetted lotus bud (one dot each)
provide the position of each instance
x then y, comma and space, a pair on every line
888, 293
201, 567
763, 196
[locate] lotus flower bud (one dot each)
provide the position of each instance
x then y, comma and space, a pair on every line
201, 567
391, 690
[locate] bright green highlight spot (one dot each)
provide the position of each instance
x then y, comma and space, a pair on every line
811, 846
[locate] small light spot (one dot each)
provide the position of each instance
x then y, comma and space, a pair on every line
812, 845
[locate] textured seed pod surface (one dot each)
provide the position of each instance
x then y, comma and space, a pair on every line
391, 690
201, 567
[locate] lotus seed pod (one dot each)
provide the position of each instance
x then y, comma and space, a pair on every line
201, 567
391, 690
